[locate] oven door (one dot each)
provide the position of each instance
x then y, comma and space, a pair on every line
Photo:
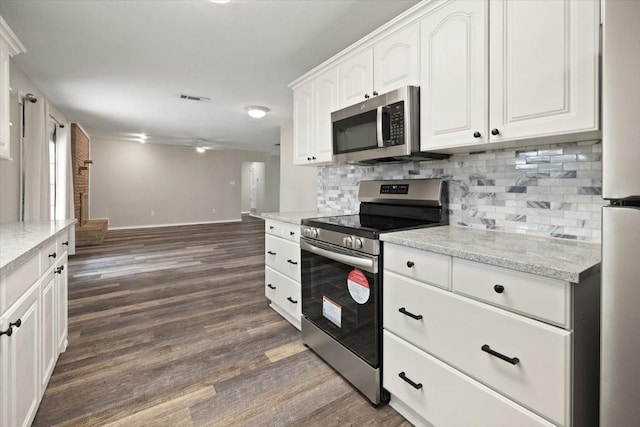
341, 295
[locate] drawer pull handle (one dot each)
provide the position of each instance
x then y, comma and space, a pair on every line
271, 252
292, 300
407, 313
65, 243
417, 386
292, 262
410, 264
59, 270
512, 360
53, 255
270, 286
498, 288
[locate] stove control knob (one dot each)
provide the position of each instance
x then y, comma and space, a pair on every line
348, 242
357, 244
314, 233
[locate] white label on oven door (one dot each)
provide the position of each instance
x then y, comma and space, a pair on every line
332, 311
358, 286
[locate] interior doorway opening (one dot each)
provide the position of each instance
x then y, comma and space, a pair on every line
253, 188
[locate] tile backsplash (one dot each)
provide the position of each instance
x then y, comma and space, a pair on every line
552, 190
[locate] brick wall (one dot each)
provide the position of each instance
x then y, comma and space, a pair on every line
79, 153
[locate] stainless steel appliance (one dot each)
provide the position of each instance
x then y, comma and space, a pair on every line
620, 311
341, 275
383, 128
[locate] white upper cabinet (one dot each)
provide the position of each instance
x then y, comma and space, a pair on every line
390, 64
543, 68
313, 103
302, 120
454, 75
9, 46
325, 100
356, 78
396, 60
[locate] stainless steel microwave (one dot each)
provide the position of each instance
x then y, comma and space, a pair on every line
383, 128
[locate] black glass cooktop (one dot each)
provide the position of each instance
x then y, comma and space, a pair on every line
367, 225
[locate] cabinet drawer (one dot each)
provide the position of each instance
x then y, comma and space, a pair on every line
428, 267
283, 256
539, 297
48, 255
444, 391
456, 329
17, 282
273, 227
283, 292
291, 232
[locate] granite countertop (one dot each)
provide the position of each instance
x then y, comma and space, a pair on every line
567, 260
19, 240
294, 217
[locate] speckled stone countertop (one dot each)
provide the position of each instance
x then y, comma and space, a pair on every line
294, 217
555, 258
20, 240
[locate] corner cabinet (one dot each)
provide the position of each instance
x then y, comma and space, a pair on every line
506, 70
33, 328
282, 270
9, 46
465, 343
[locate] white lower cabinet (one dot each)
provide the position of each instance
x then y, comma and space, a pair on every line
443, 395
458, 356
282, 270
33, 323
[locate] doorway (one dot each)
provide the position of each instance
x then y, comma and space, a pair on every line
253, 188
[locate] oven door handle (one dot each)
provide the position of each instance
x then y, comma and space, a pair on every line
366, 264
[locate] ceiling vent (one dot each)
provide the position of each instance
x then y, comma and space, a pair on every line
195, 98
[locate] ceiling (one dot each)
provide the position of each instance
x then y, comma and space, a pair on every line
118, 67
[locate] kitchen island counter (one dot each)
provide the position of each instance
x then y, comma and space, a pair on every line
294, 217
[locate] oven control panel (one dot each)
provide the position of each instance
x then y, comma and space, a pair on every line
362, 244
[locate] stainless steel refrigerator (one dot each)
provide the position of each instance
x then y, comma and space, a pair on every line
620, 327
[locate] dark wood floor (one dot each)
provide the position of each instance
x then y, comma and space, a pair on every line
170, 327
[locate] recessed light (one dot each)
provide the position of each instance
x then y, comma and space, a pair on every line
256, 111
220, 1
200, 149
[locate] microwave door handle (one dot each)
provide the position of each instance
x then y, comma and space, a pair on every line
379, 127
365, 264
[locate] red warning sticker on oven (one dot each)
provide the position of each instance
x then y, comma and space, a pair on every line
358, 286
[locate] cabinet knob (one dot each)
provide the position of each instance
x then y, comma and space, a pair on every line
309, 159
271, 227
495, 131
292, 233
375, 93
53, 255
366, 96
17, 323
498, 288
59, 270
8, 332
313, 157
410, 264
65, 243
477, 134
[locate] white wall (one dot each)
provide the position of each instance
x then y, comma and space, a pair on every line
10, 169
130, 181
298, 184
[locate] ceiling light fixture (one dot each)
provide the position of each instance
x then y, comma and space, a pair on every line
256, 111
201, 149
220, 1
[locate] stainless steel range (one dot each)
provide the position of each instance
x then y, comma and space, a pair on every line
342, 260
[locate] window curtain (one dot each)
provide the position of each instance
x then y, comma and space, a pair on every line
64, 189
35, 162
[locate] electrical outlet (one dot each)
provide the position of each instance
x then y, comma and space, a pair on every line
232, 182
153, 213
213, 210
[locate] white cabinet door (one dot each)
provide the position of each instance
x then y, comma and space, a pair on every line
48, 316
5, 131
62, 303
20, 361
302, 124
355, 76
543, 68
454, 77
396, 60
325, 100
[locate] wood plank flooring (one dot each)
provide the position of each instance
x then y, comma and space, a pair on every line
170, 327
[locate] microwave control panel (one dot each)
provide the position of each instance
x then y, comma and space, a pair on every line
394, 132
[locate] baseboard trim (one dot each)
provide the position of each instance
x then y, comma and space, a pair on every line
177, 224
